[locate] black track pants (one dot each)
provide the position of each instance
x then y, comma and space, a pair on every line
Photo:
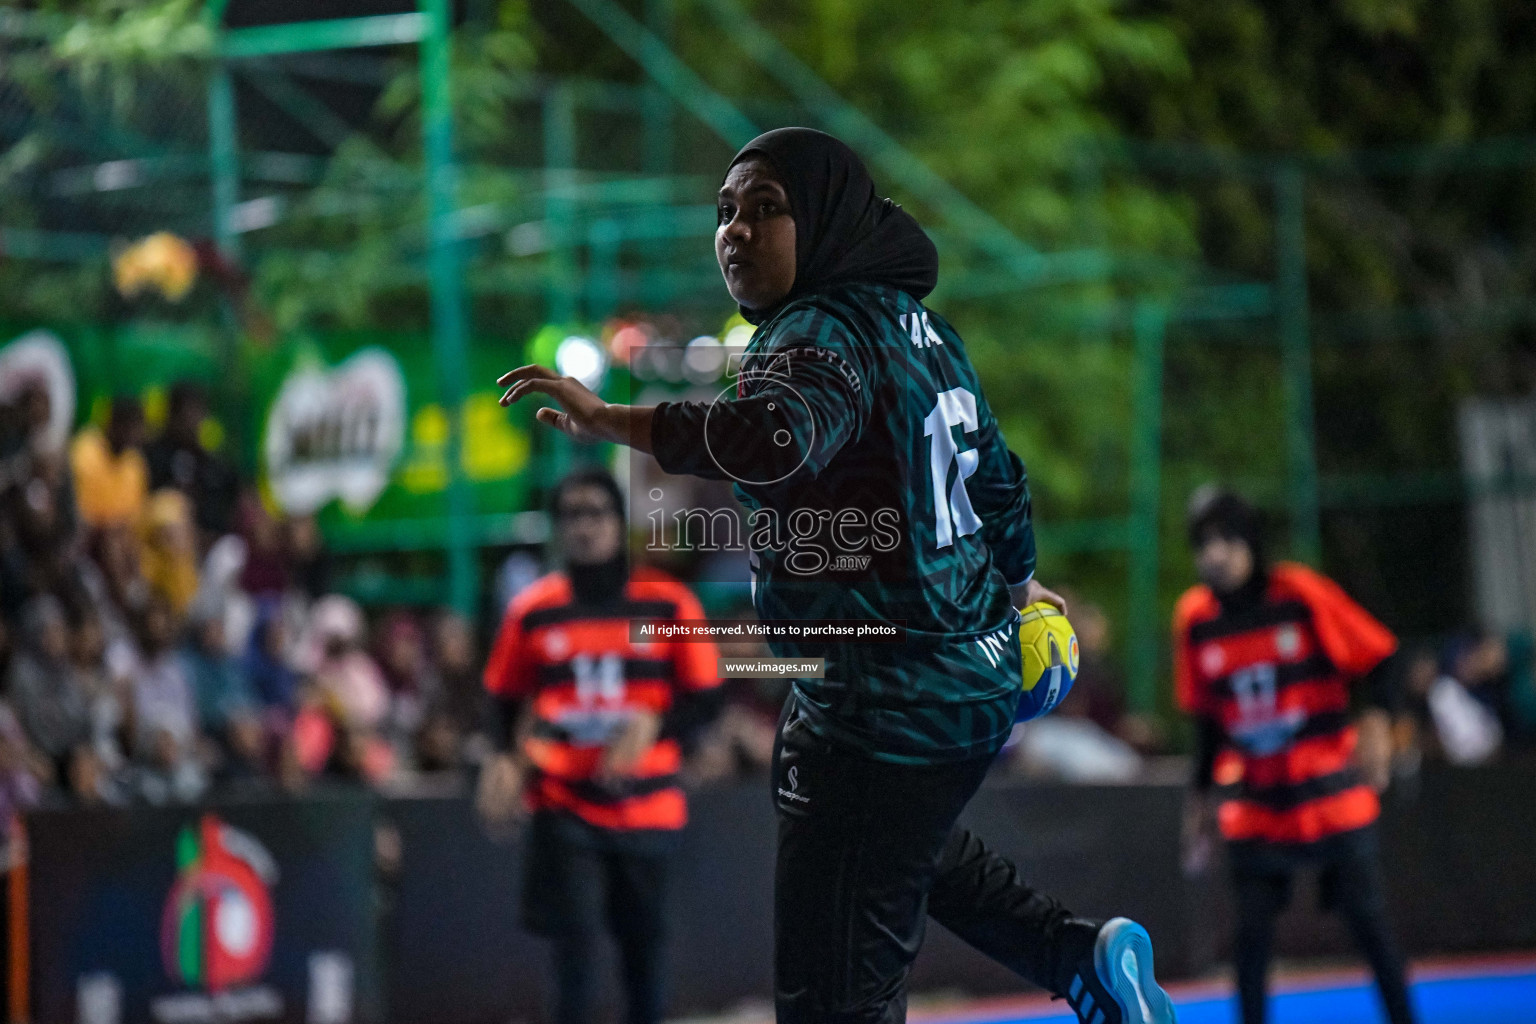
576, 888
1352, 885
867, 850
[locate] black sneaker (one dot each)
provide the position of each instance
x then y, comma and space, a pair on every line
1114, 984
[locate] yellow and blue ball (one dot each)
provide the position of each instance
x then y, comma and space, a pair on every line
1048, 646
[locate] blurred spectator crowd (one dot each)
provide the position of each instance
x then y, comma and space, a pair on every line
1468, 699
163, 633
1464, 700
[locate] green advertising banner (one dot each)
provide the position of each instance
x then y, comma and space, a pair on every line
346, 425
349, 425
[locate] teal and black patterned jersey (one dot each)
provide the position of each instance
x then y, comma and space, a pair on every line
878, 488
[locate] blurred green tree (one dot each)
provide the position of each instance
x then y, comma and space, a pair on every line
1418, 266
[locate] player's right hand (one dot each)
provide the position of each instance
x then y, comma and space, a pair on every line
499, 798
1032, 591
581, 414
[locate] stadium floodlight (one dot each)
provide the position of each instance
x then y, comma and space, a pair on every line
582, 358
704, 359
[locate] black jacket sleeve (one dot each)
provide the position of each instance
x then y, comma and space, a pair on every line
794, 423
800, 398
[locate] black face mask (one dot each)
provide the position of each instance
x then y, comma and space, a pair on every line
1245, 528
600, 583
844, 232
1249, 595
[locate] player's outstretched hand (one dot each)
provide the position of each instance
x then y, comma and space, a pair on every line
582, 414
1032, 591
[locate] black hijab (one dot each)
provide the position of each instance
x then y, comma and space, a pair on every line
1228, 515
844, 231
600, 583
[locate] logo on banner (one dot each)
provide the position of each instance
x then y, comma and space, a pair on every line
217, 927
336, 433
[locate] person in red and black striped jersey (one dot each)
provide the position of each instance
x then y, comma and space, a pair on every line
1272, 661
594, 727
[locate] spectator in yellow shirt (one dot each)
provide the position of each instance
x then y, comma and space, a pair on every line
111, 477
169, 549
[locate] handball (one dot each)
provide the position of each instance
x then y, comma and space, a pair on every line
1049, 649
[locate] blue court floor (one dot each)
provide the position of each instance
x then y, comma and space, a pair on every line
1491, 992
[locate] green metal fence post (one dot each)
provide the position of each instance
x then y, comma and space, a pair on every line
604, 238
449, 326
656, 107
224, 177
224, 156
1296, 357
656, 111
564, 290
1149, 328
559, 201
